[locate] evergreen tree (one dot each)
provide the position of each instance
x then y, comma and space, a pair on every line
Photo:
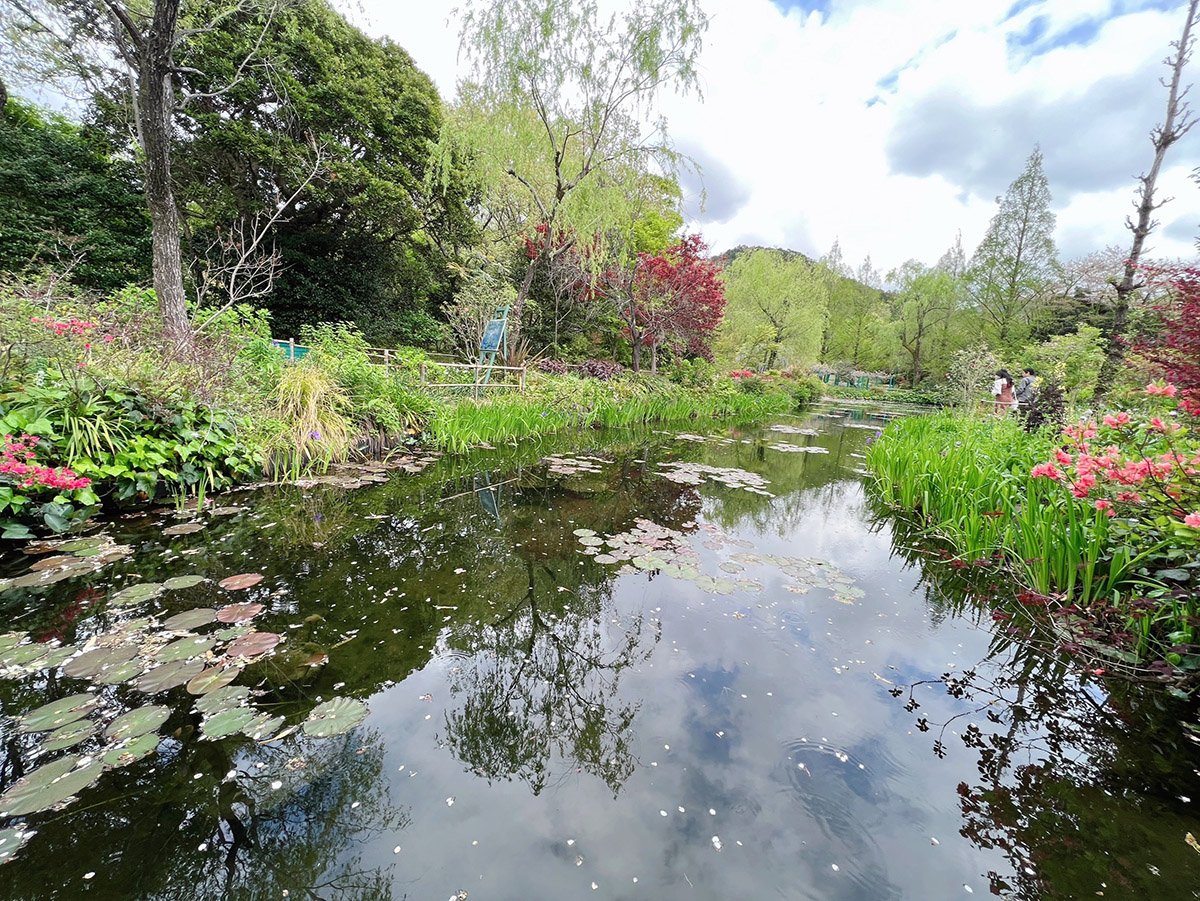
1016, 261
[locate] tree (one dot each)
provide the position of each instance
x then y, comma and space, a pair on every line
557, 105
1177, 123
369, 239
65, 198
855, 312
776, 310
136, 44
1175, 348
924, 302
971, 371
1016, 261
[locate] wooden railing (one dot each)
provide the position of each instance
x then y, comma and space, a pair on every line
496, 376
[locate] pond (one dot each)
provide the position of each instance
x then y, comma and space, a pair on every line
688, 663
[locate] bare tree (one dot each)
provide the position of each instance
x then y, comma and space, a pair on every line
1178, 122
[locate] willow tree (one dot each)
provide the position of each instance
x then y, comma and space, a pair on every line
776, 307
556, 114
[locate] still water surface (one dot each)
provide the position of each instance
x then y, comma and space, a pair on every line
589, 680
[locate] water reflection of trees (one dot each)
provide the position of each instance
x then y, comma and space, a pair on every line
1079, 780
185, 828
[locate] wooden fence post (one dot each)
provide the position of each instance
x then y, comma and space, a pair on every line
387, 360
422, 373
521, 380
292, 349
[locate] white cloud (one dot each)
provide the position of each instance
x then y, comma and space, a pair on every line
799, 110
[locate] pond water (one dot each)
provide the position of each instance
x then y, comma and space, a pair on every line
684, 664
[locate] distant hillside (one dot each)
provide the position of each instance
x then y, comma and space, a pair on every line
725, 258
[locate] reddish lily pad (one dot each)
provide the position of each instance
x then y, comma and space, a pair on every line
239, 613
239, 582
253, 645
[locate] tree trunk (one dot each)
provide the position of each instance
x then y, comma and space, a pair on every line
1177, 123
636, 353
514, 315
654, 357
156, 103
3, 97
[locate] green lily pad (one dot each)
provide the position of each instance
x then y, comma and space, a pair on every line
253, 644
179, 582
135, 594
185, 648
23, 654
233, 632
184, 528
56, 657
190, 619
227, 722
75, 545
11, 841
222, 699
137, 722
238, 613
91, 663
244, 580
212, 678
169, 675
334, 717
57, 713
130, 751
70, 735
10, 640
122, 672
263, 727
48, 786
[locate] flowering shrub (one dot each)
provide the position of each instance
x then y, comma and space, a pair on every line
741, 374
1141, 465
29, 491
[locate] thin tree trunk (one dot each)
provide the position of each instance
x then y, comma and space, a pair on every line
1178, 122
514, 315
156, 102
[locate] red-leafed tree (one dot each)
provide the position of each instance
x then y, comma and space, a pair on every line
1176, 346
674, 299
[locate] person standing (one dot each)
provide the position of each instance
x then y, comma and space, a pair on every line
1002, 391
1026, 392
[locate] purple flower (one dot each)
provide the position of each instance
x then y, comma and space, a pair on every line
315, 436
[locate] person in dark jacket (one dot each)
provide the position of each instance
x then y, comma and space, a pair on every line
1026, 388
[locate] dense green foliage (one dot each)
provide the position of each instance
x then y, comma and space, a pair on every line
66, 205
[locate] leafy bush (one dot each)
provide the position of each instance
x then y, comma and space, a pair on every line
553, 367
604, 370
697, 373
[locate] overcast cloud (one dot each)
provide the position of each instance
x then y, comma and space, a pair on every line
892, 124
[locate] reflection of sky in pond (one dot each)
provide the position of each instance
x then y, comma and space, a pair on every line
541, 725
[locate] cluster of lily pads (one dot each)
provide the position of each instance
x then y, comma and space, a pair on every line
785, 429
798, 448
372, 472
201, 650
650, 546
569, 466
699, 473
66, 560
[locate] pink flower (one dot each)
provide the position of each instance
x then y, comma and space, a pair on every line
1158, 390
1192, 520
1106, 506
1063, 457
1115, 422
1046, 470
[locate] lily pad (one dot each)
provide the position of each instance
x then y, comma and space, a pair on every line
75, 545
584, 533
23, 654
190, 619
91, 663
136, 594
184, 528
169, 675
185, 648
53, 563
130, 751
11, 841
70, 735
137, 722
178, 582
253, 644
263, 727
227, 722
334, 717
122, 672
212, 679
239, 582
10, 640
57, 713
232, 632
222, 699
239, 613
48, 786
57, 657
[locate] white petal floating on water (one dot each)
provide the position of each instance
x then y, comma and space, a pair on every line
716, 842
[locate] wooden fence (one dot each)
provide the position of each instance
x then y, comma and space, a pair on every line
481, 377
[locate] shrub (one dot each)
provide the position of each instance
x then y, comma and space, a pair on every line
604, 370
552, 367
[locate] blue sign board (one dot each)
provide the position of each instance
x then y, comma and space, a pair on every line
493, 335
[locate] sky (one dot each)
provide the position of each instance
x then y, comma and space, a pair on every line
891, 125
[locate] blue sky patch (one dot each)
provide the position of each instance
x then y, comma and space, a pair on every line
806, 6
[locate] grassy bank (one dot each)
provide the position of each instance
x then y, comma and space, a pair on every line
1122, 572
100, 412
